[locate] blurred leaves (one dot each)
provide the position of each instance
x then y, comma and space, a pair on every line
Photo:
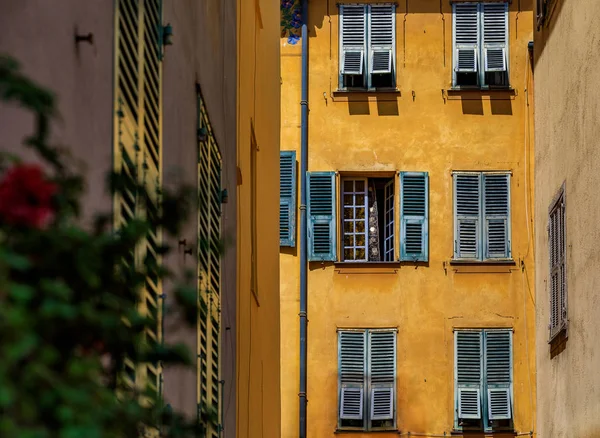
70, 296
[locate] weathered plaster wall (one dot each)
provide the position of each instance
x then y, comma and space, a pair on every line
258, 385
424, 128
41, 38
567, 92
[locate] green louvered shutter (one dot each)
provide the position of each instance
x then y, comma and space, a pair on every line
321, 216
466, 37
287, 198
352, 39
496, 203
382, 38
498, 372
382, 371
467, 216
495, 36
352, 371
414, 216
468, 374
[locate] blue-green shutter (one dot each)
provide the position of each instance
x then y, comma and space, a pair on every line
382, 371
468, 374
467, 216
496, 205
498, 374
287, 198
321, 216
414, 216
352, 360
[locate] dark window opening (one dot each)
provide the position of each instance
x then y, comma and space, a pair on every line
467, 79
382, 80
497, 79
353, 81
352, 423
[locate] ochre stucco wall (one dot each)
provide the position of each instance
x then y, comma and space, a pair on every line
567, 95
258, 386
424, 128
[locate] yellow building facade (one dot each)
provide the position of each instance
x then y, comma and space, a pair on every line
420, 275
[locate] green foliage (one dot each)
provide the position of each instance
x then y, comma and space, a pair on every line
69, 304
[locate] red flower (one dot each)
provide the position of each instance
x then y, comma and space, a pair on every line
26, 197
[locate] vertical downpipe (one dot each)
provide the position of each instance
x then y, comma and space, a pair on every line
303, 257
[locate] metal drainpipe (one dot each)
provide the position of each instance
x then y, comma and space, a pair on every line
303, 257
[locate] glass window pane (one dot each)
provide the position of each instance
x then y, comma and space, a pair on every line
360, 226
349, 240
348, 186
360, 199
360, 240
360, 213
360, 254
348, 200
349, 213
360, 186
348, 254
348, 227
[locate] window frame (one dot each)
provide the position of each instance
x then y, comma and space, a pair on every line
367, 386
367, 54
480, 53
558, 206
484, 385
481, 221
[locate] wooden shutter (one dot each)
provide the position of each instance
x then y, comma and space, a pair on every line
495, 36
496, 204
382, 367
498, 372
382, 38
468, 374
414, 216
352, 39
557, 252
467, 220
321, 216
287, 198
466, 37
352, 370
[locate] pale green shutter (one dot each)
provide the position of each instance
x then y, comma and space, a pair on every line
352, 39
352, 372
498, 372
468, 374
321, 221
287, 198
382, 371
414, 216
466, 37
381, 38
496, 204
467, 216
495, 36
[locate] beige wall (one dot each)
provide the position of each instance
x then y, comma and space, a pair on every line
567, 96
42, 39
423, 128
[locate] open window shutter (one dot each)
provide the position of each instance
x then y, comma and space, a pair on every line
496, 202
414, 222
495, 36
353, 36
389, 225
382, 363
467, 193
381, 38
468, 374
466, 37
352, 370
498, 371
321, 216
287, 198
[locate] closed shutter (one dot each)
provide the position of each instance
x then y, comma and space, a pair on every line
321, 216
466, 37
287, 198
467, 193
381, 38
414, 222
498, 371
557, 250
468, 374
496, 204
495, 36
352, 370
382, 362
353, 38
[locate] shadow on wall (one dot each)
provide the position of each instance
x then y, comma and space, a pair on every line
359, 104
